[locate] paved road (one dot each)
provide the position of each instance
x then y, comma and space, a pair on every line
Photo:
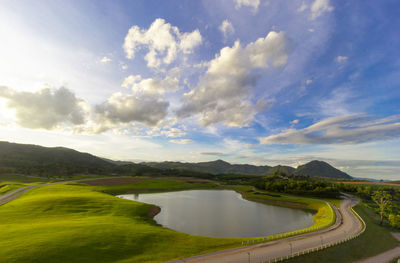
349, 226
14, 194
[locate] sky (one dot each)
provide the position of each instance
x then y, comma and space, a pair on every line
262, 82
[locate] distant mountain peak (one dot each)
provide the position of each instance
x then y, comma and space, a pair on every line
320, 169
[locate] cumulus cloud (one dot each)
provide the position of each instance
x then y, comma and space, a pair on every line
163, 42
341, 59
249, 3
47, 108
105, 60
348, 129
145, 104
319, 7
150, 87
126, 108
224, 93
227, 29
129, 81
182, 141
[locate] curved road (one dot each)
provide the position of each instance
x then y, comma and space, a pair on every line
347, 227
14, 194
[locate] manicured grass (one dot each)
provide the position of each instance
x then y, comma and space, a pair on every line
375, 240
6, 187
73, 223
154, 186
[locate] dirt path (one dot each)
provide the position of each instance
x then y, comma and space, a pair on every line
386, 256
349, 226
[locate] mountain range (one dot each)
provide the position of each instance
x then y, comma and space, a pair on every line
31, 159
313, 168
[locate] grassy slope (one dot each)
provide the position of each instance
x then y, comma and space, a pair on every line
76, 223
375, 240
72, 223
6, 187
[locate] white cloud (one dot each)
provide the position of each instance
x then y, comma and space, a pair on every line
173, 132
182, 141
130, 81
150, 87
227, 29
224, 93
294, 121
249, 3
348, 129
341, 59
47, 108
127, 108
105, 60
337, 103
319, 7
123, 66
308, 81
163, 42
303, 7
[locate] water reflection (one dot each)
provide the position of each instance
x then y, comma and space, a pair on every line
222, 213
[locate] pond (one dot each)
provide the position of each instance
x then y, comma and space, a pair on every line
222, 213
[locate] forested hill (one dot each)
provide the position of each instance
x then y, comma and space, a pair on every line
33, 159
222, 167
322, 169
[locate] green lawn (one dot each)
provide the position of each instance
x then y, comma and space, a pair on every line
73, 223
375, 240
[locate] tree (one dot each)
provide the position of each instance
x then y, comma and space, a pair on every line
394, 220
383, 199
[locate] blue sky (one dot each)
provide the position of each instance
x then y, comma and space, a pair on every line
247, 81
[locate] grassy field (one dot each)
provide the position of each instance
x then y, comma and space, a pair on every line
73, 223
375, 240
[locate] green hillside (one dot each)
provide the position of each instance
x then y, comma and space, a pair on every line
320, 169
33, 159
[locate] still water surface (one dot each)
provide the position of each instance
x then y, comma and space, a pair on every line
222, 213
